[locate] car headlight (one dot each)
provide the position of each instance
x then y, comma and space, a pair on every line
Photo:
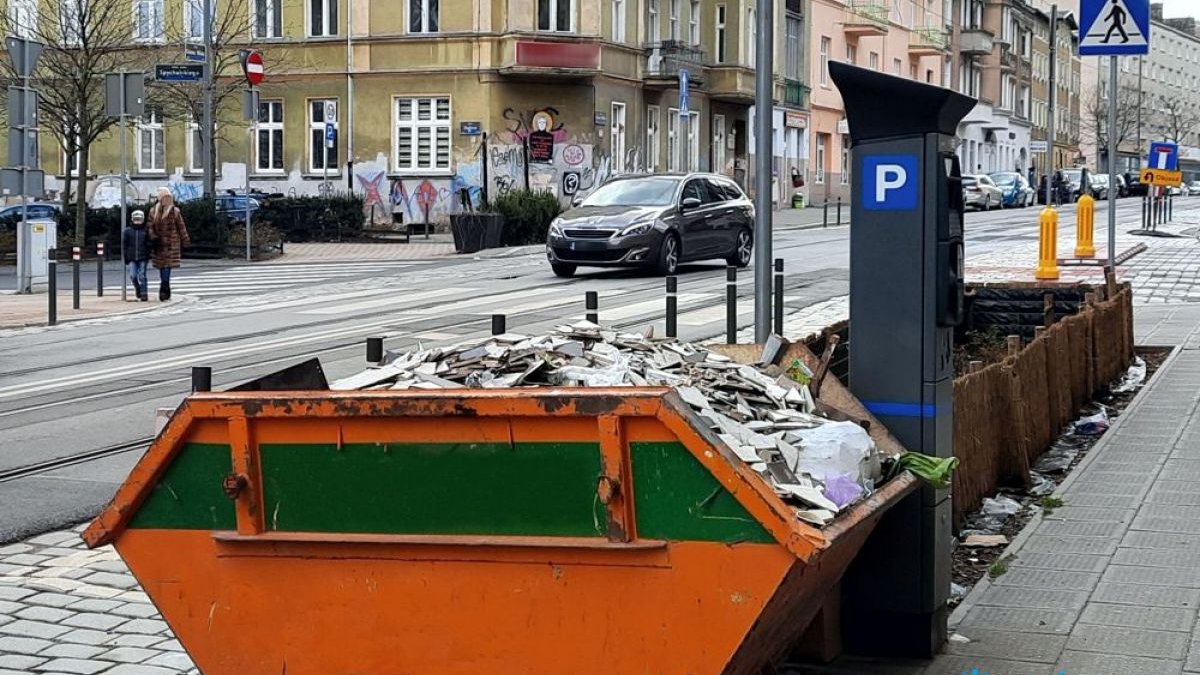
637, 228
556, 228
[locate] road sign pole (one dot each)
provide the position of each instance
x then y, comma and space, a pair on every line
210, 178
1112, 162
1053, 98
764, 101
124, 177
25, 162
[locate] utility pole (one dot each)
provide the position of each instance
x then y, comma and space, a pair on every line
349, 98
764, 106
1112, 164
1053, 100
1138, 143
207, 133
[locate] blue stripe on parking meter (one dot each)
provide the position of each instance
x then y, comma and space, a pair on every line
890, 182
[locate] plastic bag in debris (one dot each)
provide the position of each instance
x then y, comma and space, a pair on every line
610, 376
1001, 506
1092, 425
1040, 486
842, 490
838, 448
1133, 378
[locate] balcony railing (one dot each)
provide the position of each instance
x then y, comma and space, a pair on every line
976, 42
868, 17
795, 93
928, 41
664, 61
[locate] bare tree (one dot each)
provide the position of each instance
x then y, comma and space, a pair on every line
1177, 118
1094, 112
84, 40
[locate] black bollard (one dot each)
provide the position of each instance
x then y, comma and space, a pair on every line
75, 260
499, 324
52, 281
374, 350
1145, 223
731, 305
100, 270
201, 378
778, 296
592, 303
825, 214
839, 211
1170, 208
672, 307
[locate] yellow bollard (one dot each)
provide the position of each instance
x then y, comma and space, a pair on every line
1048, 245
1085, 226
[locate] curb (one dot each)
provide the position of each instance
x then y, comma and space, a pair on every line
177, 300
1014, 547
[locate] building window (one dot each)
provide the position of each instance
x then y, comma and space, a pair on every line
897, 66
322, 18
792, 44
751, 42
269, 133
719, 150
195, 148
556, 15
618, 19
912, 71
321, 155
652, 147
422, 16
873, 60
720, 23
617, 148
70, 163
673, 19
693, 140
193, 20
149, 20
70, 23
824, 60
423, 134
844, 179
822, 140
151, 154
694, 23
851, 54
23, 15
267, 19
672, 140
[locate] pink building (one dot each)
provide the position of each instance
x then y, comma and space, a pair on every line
909, 38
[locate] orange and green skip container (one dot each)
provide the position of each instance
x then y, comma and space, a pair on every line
470, 532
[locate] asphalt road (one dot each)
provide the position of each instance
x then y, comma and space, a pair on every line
94, 387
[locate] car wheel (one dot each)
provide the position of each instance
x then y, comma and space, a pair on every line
668, 255
743, 249
987, 203
561, 270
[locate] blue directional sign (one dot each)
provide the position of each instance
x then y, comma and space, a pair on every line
185, 72
1114, 27
890, 182
194, 52
683, 91
1164, 156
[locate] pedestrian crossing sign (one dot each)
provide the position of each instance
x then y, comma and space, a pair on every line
1114, 27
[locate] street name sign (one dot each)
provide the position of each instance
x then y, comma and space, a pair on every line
1114, 27
178, 72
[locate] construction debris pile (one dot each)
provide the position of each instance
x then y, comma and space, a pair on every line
765, 415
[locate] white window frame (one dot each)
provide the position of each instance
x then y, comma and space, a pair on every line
193, 9
273, 20
618, 20
617, 146
553, 15
823, 60
694, 23
195, 158
70, 21
897, 67
693, 140
153, 127
751, 37
672, 140
66, 159
329, 10
673, 22
844, 178
653, 149
23, 15
437, 127
719, 139
271, 126
312, 125
873, 61
720, 19
425, 15
154, 11
819, 169
852, 54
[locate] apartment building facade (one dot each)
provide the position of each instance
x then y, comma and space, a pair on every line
1066, 149
428, 97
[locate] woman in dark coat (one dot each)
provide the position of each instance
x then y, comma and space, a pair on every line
169, 235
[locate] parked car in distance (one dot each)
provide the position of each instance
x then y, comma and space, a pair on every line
981, 193
655, 221
1073, 183
1194, 187
233, 207
11, 215
1135, 188
1015, 190
1175, 191
1098, 185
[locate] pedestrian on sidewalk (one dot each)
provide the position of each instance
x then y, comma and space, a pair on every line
169, 235
136, 245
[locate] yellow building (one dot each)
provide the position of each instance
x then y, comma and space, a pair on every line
428, 97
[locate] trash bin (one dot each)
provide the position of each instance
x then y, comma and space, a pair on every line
474, 232
576, 530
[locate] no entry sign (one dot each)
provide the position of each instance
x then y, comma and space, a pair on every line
252, 65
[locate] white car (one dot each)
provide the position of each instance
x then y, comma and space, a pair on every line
1193, 188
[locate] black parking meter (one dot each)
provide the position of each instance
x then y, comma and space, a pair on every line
906, 296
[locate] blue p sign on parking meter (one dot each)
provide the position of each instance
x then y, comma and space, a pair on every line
890, 182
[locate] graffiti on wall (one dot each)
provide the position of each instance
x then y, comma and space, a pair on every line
183, 191
519, 126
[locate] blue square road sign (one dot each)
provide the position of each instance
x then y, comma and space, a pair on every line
890, 182
1164, 156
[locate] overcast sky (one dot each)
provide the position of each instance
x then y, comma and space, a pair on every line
1173, 8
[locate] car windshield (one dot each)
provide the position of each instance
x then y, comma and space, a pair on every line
1099, 179
1004, 178
652, 191
1073, 176
969, 181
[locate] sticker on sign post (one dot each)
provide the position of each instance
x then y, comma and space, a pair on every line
890, 182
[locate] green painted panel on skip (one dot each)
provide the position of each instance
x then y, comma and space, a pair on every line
190, 494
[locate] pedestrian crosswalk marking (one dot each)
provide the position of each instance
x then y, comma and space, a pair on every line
300, 302
410, 298
250, 280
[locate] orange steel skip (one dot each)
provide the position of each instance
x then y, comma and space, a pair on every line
531, 532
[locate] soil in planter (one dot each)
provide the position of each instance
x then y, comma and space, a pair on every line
988, 345
972, 564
